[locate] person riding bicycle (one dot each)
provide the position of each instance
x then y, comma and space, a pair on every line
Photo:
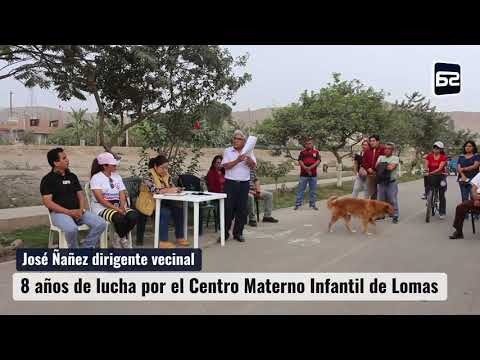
435, 175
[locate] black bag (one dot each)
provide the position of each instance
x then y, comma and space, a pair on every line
383, 174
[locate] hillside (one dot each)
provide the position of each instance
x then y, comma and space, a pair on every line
461, 119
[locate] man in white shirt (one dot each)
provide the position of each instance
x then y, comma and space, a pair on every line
237, 185
465, 207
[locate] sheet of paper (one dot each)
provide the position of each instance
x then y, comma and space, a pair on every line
249, 145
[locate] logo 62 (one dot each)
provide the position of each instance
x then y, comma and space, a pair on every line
447, 78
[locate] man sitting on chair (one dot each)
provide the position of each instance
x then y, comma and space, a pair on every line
465, 207
267, 197
64, 198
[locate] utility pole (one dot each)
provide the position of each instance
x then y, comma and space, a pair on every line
11, 106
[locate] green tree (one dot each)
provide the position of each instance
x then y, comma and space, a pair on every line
138, 82
337, 118
79, 125
426, 125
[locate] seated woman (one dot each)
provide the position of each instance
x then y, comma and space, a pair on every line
216, 175
158, 181
109, 200
215, 180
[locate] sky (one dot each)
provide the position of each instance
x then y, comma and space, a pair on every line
280, 73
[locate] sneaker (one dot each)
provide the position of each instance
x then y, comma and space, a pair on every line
441, 217
380, 219
125, 243
456, 235
395, 220
269, 219
296, 207
252, 223
313, 207
423, 196
116, 242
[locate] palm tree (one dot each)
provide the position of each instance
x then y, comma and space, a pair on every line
79, 123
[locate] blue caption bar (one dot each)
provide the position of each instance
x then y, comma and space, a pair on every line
109, 260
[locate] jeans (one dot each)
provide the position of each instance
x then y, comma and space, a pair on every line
302, 186
67, 224
389, 193
236, 206
165, 213
465, 191
360, 185
267, 197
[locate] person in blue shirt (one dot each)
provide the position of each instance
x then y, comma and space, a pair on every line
467, 167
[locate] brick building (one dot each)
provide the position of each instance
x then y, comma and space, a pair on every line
40, 121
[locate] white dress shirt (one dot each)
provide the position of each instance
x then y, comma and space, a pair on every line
241, 171
476, 181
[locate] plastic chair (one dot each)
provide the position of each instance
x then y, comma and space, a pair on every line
109, 229
62, 241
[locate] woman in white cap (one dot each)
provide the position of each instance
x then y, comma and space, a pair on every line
109, 200
434, 163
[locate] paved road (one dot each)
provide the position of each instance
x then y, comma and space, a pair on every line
300, 243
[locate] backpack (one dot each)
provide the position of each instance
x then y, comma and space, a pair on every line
383, 174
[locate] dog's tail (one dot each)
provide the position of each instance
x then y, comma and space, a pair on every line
331, 201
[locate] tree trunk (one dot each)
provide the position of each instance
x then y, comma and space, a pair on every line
101, 121
339, 169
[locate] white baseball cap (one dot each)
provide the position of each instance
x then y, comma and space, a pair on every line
107, 159
439, 144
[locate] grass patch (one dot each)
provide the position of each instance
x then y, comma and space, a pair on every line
33, 237
409, 177
294, 178
286, 198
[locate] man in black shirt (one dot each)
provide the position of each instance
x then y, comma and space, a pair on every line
63, 196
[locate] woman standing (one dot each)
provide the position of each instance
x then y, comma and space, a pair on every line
216, 175
109, 200
360, 173
434, 163
467, 167
158, 181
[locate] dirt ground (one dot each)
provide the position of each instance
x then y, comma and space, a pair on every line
23, 166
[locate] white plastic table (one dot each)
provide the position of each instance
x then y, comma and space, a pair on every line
196, 200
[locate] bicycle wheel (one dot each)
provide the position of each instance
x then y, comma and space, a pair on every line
435, 202
429, 206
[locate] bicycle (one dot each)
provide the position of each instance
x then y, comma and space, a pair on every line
433, 195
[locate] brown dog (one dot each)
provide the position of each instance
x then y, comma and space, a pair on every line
367, 210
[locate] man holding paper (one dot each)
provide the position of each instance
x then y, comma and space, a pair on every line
237, 161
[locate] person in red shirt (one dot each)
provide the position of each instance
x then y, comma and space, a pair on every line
216, 175
369, 163
434, 163
309, 159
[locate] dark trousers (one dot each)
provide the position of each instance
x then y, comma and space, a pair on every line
236, 205
441, 193
123, 224
166, 212
142, 222
465, 190
372, 186
460, 212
